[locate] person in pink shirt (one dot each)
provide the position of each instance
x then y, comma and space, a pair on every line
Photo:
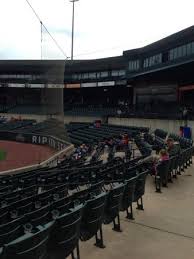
163, 155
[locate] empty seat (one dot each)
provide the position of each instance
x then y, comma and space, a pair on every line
30, 245
128, 197
38, 217
112, 207
92, 219
10, 226
140, 189
64, 238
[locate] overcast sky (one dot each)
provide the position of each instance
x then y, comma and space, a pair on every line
102, 27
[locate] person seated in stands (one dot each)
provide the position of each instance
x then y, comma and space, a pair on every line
172, 147
84, 148
125, 139
150, 162
163, 155
78, 149
78, 156
110, 143
61, 159
158, 159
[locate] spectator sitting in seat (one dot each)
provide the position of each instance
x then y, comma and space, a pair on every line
125, 139
150, 162
154, 160
110, 143
61, 159
163, 155
84, 148
172, 147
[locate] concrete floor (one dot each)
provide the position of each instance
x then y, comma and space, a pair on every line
165, 229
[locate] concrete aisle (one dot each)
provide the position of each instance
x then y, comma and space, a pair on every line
164, 230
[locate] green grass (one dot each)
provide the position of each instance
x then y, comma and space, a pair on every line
3, 155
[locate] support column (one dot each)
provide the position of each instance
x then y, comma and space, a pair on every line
52, 94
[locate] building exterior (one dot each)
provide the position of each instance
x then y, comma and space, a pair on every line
161, 71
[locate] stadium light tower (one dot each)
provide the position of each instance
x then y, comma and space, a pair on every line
72, 35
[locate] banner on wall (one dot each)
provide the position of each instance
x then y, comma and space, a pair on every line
36, 139
89, 85
108, 83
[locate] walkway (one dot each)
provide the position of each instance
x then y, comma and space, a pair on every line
164, 230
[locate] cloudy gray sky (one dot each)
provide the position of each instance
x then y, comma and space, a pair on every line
102, 27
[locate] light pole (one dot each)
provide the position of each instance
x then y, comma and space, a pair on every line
72, 35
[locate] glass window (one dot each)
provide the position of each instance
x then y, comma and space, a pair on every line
98, 75
175, 53
184, 50
189, 48
3, 76
179, 52
115, 73
145, 63
133, 65
27, 76
92, 75
137, 64
192, 48
104, 74
151, 63
158, 58
121, 72
75, 76
79, 76
85, 75
171, 54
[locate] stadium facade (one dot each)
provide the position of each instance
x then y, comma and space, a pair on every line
161, 71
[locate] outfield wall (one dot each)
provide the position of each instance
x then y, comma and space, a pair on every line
37, 139
168, 125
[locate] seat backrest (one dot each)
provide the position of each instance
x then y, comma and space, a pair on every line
140, 185
30, 245
113, 203
96, 188
8, 227
3, 217
65, 234
92, 216
163, 168
37, 213
10, 236
128, 195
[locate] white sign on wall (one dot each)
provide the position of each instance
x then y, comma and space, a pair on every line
108, 83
